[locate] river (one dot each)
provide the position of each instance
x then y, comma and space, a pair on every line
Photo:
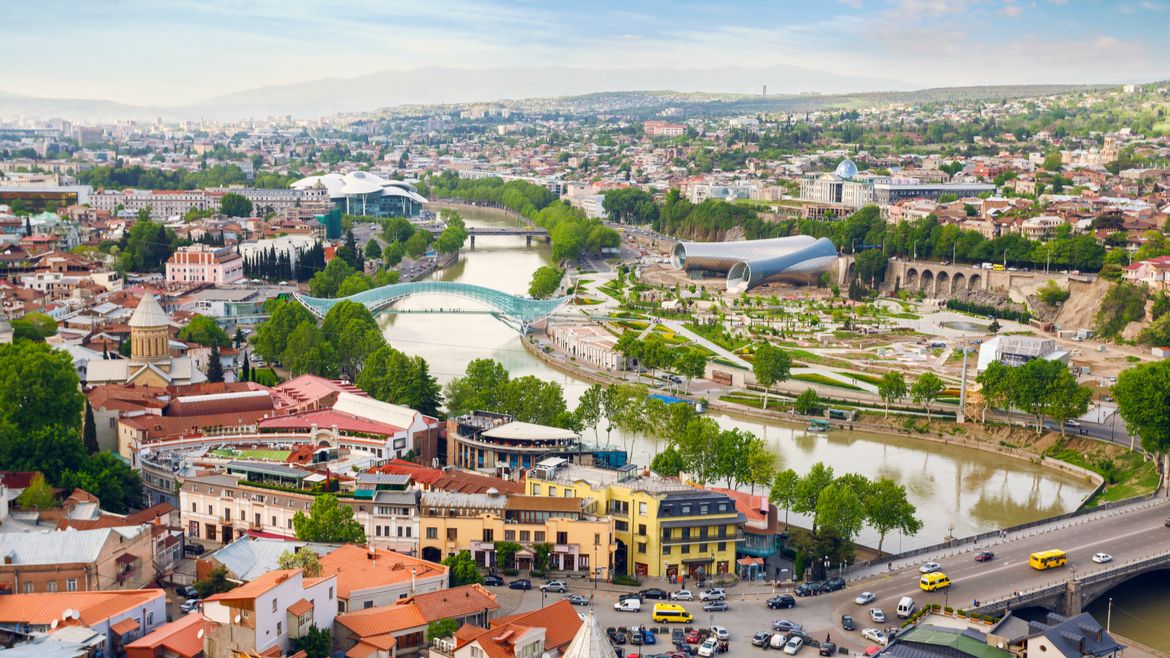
974, 490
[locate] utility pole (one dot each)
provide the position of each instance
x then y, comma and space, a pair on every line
1109, 615
961, 416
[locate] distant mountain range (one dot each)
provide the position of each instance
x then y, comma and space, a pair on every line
435, 85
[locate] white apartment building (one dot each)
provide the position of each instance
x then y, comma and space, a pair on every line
167, 203
269, 611
591, 343
592, 205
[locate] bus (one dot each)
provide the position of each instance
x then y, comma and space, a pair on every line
1047, 559
997, 267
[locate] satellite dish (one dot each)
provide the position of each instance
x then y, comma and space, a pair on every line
237, 619
53, 624
1001, 645
65, 615
199, 634
77, 614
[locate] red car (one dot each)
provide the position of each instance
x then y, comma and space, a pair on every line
983, 556
693, 637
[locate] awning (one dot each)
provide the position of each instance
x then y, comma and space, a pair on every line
701, 560
748, 561
525, 554
126, 558
123, 627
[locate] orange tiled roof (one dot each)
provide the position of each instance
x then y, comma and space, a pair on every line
559, 620
361, 650
181, 637
41, 609
454, 602
300, 607
379, 621
254, 588
355, 571
124, 626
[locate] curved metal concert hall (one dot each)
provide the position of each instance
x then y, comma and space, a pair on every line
795, 259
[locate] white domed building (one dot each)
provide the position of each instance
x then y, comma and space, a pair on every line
843, 187
363, 193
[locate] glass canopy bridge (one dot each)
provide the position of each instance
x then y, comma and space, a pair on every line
520, 311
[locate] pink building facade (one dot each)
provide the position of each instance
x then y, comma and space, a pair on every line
201, 263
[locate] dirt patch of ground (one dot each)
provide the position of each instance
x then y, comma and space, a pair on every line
1080, 310
1043, 312
988, 298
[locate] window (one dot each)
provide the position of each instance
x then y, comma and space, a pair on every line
211, 490
722, 508
562, 537
722, 546
642, 529
368, 604
703, 532
642, 509
278, 626
245, 613
596, 538
666, 549
452, 534
488, 535
211, 510
194, 507
432, 533
378, 530
552, 491
703, 508
665, 510
702, 548
509, 535
290, 524
113, 422
274, 605
28, 588
536, 490
525, 535
330, 593
686, 533
722, 531
686, 510
686, 548
621, 526
538, 536
71, 585
273, 521
641, 547
51, 586
150, 619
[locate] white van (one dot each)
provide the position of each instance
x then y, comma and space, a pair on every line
906, 607
629, 605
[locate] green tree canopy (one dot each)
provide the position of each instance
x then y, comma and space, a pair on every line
892, 388
463, 570
317, 642
771, 365
235, 205
328, 522
37, 495
926, 390
216, 582
545, 281
887, 508
39, 387
304, 558
204, 330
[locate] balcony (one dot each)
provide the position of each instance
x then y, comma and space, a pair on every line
126, 575
225, 519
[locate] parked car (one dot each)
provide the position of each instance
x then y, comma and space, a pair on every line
693, 636
761, 639
833, 584
715, 606
194, 549
614, 636
811, 588
847, 623
930, 567
653, 593
634, 635
678, 636
554, 586
785, 625
828, 648
983, 556
188, 592
682, 595
874, 635
778, 641
189, 605
793, 645
577, 599
713, 594
720, 633
864, 597
648, 636
781, 601
709, 647
1102, 558
523, 584
493, 581
628, 605
877, 615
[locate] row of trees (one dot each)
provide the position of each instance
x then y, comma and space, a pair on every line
113, 177
339, 279
487, 386
1039, 387
656, 355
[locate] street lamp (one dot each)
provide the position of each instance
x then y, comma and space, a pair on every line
827, 563
915, 251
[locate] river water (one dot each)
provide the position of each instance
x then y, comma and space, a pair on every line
974, 490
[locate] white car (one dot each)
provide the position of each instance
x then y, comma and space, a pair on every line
930, 567
713, 594
1102, 558
877, 615
865, 597
554, 586
793, 645
190, 605
682, 595
720, 633
709, 648
874, 635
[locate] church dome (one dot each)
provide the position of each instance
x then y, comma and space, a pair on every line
148, 315
846, 169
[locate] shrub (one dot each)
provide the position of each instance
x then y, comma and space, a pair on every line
988, 618
934, 606
994, 311
961, 613
625, 580
536, 574
948, 609
511, 572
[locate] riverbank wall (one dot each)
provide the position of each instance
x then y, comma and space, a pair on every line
455, 204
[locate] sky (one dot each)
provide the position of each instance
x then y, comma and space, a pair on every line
174, 52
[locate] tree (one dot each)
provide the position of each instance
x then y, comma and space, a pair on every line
284, 317
1067, 399
104, 475
328, 522
1032, 386
305, 558
891, 389
994, 327
463, 570
317, 642
204, 330
808, 402
808, 492
887, 509
1052, 161
505, 553
871, 265
235, 205
840, 510
692, 364
1144, 405
89, 431
545, 281
630, 348
441, 628
215, 365
416, 246
39, 387
997, 386
1051, 293
373, 249
926, 390
589, 407
668, 462
771, 366
785, 491
216, 582
540, 553
37, 495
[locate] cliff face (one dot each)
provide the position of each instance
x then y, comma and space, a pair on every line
1080, 310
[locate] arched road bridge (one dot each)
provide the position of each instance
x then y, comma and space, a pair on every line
528, 233
506, 306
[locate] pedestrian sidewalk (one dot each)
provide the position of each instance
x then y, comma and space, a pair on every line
990, 542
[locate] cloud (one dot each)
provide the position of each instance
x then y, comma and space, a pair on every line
1011, 10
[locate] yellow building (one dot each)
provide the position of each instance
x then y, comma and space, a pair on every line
663, 527
453, 522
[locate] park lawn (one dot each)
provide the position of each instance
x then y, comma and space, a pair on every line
276, 455
868, 379
814, 378
775, 403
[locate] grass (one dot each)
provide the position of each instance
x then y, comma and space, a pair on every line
1126, 475
277, 455
868, 379
724, 362
774, 403
814, 378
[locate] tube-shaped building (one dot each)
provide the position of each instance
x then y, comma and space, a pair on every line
795, 259
803, 266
